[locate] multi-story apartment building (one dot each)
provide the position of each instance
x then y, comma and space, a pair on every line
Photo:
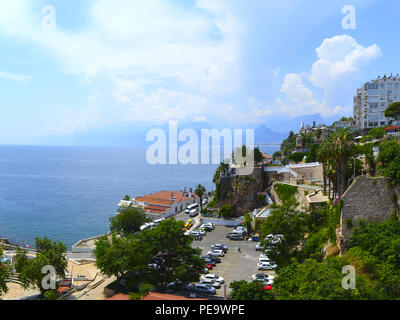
373, 99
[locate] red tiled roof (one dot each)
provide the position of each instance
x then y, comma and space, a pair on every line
266, 156
164, 198
155, 209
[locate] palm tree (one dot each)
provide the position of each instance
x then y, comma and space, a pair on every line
200, 191
248, 220
323, 155
341, 148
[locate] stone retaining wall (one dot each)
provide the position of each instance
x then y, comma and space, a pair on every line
368, 198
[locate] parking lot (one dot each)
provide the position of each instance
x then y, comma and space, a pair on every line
234, 265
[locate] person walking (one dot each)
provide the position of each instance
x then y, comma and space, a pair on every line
239, 250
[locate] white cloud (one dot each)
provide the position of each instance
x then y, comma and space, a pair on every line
341, 56
160, 105
302, 100
14, 76
148, 39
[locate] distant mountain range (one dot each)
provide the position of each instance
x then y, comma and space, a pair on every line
275, 130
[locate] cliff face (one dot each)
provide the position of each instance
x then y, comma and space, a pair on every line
240, 192
369, 199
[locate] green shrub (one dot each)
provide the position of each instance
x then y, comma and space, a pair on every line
226, 211
286, 193
349, 223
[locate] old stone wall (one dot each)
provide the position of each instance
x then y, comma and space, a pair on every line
368, 198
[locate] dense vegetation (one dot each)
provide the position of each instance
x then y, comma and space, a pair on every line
30, 271
128, 221
5, 273
155, 257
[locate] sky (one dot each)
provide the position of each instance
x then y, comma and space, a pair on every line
73, 66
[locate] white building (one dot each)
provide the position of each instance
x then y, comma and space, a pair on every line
373, 99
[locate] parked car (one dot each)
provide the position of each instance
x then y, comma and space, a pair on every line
201, 231
216, 253
188, 224
265, 278
209, 224
259, 247
263, 256
176, 286
201, 288
210, 261
213, 277
145, 226
240, 228
205, 201
193, 213
219, 246
262, 265
235, 236
209, 266
211, 283
206, 271
206, 228
274, 238
212, 258
267, 287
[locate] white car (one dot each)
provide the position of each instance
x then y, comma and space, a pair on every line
213, 277
266, 266
145, 226
200, 232
208, 225
264, 256
259, 247
211, 283
240, 228
262, 277
274, 238
216, 253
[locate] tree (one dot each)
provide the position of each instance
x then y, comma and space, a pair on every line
393, 111
292, 225
242, 290
296, 157
248, 223
200, 192
118, 256
5, 273
258, 157
222, 169
49, 253
128, 221
156, 256
277, 155
313, 280
226, 211
376, 133
389, 158
312, 155
340, 148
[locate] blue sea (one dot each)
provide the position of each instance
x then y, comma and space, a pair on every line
68, 193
